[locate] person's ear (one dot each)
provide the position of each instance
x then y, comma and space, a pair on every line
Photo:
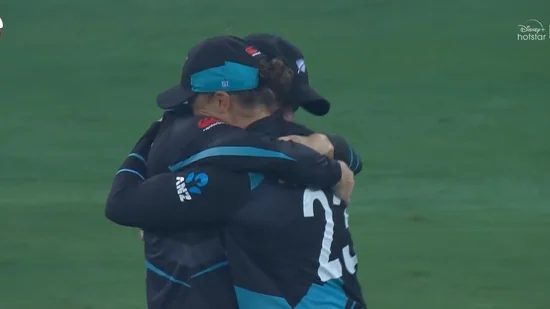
223, 101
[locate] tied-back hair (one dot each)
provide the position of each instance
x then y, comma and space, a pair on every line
275, 82
275, 75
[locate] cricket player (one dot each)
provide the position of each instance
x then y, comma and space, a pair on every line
287, 246
301, 95
226, 75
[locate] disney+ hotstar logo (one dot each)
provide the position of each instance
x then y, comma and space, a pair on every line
532, 30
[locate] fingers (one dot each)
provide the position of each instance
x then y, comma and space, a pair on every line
318, 142
323, 143
293, 138
345, 187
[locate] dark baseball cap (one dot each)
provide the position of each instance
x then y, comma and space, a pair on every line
223, 63
274, 46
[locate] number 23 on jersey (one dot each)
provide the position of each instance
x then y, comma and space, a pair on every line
329, 269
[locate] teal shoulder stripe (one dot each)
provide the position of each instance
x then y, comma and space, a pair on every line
255, 180
237, 151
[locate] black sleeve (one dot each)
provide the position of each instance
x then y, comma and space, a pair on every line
344, 152
342, 149
168, 201
235, 149
191, 198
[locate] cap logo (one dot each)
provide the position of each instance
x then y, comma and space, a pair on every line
301, 64
252, 51
225, 84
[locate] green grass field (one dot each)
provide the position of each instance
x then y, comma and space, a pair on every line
450, 112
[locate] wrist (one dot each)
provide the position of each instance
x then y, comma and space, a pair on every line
339, 173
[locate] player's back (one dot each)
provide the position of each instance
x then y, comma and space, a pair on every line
193, 259
291, 248
184, 267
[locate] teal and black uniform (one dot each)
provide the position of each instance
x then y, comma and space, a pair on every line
187, 263
268, 240
184, 267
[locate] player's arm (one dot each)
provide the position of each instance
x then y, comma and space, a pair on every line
174, 201
344, 152
235, 149
156, 202
342, 149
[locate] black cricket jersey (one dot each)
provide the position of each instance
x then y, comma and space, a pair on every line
276, 126
187, 269
157, 204
291, 248
287, 246
286, 256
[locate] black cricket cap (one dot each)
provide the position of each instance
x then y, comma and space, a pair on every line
301, 93
223, 63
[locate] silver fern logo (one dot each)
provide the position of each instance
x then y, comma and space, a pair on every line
532, 30
301, 64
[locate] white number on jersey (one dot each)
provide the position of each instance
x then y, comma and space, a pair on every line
328, 269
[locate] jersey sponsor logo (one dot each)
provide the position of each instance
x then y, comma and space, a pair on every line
182, 190
252, 51
208, 123
190, 185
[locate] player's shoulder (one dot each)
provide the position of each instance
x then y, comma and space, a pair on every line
203, 125
293, 128
276, 125
187, 135
180, 131
196, 129
194, 124
182, 137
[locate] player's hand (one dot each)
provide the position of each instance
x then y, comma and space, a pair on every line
143, 145
344, 187
318, 142
141, 235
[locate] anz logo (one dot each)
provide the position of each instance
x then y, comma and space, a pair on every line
190, 185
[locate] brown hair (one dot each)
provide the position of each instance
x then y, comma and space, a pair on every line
276, 75
275, 82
